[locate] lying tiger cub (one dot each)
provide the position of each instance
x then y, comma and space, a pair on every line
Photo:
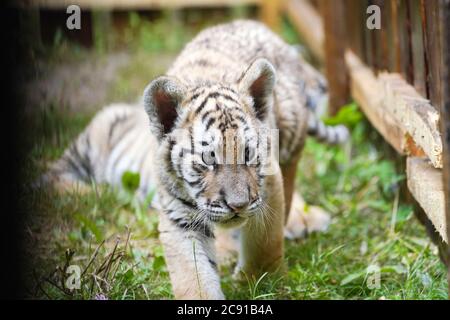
218, 138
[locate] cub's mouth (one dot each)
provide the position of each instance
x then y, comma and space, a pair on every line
230, 220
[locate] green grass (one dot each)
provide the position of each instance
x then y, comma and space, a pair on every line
115, 243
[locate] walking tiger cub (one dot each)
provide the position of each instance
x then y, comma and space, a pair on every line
218, 137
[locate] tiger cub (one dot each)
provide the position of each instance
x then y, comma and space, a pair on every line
218, 137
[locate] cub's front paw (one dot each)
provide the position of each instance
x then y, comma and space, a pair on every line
305, 219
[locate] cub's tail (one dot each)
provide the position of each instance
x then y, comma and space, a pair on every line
315, 88
327, 134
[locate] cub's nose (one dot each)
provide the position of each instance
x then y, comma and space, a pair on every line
238, 205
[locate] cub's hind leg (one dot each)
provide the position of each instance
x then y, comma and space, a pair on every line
300, 218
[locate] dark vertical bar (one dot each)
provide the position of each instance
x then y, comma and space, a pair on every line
418, 54
355, 25
404, 35
368, 42
384, 47
376, 40
425, 46
433, 51
409, 50
335, 44
395, 64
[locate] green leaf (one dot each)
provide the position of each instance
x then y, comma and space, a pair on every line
395, 268
131, 181
158, 264
348, 115
352, 277
404, 213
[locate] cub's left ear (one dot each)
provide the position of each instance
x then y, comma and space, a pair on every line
162, 100
258, 81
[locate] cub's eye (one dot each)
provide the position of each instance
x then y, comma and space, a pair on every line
209, 158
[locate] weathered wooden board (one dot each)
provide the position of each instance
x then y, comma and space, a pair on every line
414, 114
425, 183
366, 89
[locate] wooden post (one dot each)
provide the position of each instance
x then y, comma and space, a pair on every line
444, 18
333, 17
308, 23
355, 26
394, 61
270, 13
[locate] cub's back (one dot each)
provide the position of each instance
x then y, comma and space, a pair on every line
222, 53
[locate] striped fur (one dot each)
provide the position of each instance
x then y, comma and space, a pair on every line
227, 89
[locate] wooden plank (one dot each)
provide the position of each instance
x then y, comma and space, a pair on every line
333, 16
366, 89
414, 114
396, 110
133, 4
425, 183
308, 23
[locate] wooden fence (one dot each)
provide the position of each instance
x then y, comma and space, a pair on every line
398, 74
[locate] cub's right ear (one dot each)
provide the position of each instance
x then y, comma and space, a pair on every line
162, 100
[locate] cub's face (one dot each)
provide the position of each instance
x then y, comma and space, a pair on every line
215, 141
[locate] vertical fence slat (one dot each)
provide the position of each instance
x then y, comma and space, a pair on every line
395, 61
418, 48
376, 40
432, 51
333, 15
368, 43
270, 13
355, 25
384, 50
404, 36
425, 51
